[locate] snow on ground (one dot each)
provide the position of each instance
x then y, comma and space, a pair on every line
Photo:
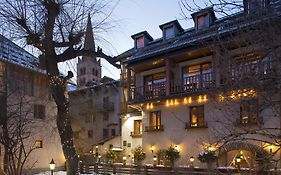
59, 173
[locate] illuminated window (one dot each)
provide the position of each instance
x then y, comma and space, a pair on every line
154, 85
197, 116
140, 42
197, 75
155, 120
249, 111
137, 127
38, 144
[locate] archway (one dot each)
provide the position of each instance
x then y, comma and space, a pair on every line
247, 154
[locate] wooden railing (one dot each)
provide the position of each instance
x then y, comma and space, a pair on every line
161, 170
143, 170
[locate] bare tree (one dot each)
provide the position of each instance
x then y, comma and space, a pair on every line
18, 125
56, 28
247, 50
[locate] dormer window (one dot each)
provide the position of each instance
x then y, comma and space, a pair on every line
140, 42
202, 21
204, 18
169, 32
255, 6
171, 29
141, 39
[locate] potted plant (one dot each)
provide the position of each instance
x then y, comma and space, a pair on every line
139, 155
111, 156
172, 155
207, 157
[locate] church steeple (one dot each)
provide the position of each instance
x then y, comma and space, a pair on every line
88, 68
89, 36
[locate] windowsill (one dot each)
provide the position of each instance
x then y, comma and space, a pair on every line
189, 126
135, 135
154, 129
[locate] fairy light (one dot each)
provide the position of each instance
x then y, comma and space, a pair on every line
167, 103
176, 102
189, 100
200, 99
205, 98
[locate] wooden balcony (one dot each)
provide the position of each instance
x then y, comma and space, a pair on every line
154, 128
196, 125
197, 83
136, 134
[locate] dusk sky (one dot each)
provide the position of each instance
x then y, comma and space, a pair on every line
134, 16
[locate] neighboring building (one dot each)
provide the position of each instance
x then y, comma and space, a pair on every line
88, 68
25, 95
94, 106
182, 89
95, 116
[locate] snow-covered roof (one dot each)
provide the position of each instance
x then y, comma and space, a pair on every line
12, 53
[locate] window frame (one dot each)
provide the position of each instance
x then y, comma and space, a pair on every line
200, 117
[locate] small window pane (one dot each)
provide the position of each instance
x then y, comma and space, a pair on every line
140, 42
169, 32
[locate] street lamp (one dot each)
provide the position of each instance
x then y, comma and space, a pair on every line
154, 160
238, 160
52, 166
191, 159
124, 160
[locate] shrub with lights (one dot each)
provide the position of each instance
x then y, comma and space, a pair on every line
207, 157
111, 156
172, 155
139, 155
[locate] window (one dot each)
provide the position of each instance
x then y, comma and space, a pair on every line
169, 32
249, 111
90, 134
155, 120
197, 76
256, 6
93, 71
154, 85
197, 117
202, 21
140, 42
105, 133
28, 84
137, 127
82, 71
105, 116
38, 143
39, 111
113, 132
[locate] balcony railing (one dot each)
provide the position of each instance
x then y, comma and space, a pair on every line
196, 83
196, 125
154, 128
136, 134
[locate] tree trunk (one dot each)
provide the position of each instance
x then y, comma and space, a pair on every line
64, 124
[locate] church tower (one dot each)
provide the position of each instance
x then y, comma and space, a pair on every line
88, 68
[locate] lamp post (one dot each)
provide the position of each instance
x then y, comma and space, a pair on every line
154, 161
124, 160
191, 159
52, 166
238, 161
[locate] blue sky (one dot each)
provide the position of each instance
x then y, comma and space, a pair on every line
134, 16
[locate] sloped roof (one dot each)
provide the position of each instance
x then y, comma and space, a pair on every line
12, 53
190, 38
